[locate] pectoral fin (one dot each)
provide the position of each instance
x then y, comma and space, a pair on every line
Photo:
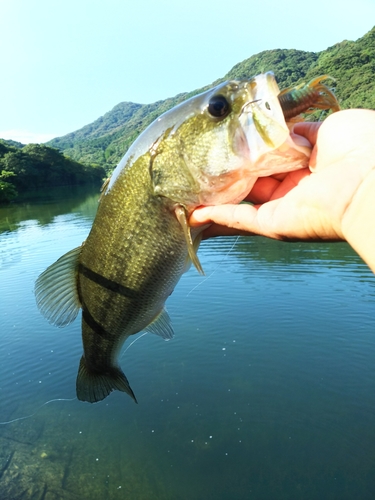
56, 290
191, 246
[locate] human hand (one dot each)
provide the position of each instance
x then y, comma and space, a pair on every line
311, 203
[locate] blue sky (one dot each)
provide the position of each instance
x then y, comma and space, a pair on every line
65, 63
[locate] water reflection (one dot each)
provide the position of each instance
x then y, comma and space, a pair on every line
47, 206
260, 256
284, 254
266, 391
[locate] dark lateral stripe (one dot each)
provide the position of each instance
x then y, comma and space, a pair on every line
93, 324
106, 283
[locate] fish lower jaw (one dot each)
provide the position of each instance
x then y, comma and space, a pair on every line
236, 187
281, 160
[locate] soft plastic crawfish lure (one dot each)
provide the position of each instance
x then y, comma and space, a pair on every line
305, 98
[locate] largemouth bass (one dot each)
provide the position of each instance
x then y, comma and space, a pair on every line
208, 150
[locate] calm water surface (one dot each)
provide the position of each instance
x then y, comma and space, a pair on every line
267, 390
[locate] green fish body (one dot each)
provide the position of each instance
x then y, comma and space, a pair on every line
204, 151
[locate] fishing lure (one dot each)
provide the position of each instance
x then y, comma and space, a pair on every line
305, 98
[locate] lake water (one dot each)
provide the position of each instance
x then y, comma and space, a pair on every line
267, 390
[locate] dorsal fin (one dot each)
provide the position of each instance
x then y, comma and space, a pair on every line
56, 290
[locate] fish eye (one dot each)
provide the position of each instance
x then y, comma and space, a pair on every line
218, 106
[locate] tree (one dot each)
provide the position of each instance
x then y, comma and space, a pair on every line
7, 190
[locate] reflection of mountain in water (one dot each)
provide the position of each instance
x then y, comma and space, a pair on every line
297, 253
58, 201
261, 255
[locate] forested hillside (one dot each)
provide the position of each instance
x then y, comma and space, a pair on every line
35, 166
352, 64
89, 154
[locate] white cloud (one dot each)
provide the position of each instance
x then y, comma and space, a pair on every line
25, 136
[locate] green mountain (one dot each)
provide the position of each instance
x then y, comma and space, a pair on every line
36, 166
352, 64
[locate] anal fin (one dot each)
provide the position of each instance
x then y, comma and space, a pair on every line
161, 326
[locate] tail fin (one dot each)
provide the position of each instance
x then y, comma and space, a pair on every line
94, 386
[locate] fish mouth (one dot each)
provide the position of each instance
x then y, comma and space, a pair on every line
262, 118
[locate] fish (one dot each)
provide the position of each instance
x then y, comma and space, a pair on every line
208, 150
